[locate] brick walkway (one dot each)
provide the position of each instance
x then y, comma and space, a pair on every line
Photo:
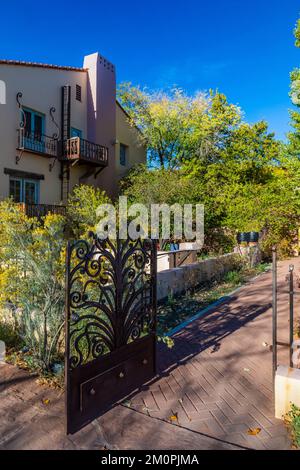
216, 380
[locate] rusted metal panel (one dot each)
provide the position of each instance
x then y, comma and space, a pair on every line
110, 324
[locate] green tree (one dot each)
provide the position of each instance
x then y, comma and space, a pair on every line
81, 209
176, 127
241, 188
246, 154
157, 186
294, 136
204, 152
32, 268
32, 271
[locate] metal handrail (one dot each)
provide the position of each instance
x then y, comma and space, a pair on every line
78, 148
37, 143
41, 210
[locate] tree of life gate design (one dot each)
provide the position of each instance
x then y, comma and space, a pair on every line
110, 324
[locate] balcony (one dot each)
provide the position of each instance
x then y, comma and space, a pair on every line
41, 210
37, 143
75, 149
82, 151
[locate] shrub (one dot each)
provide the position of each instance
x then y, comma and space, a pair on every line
8, 329
233, 277
32, 273
293, 419
81, 209
32, 265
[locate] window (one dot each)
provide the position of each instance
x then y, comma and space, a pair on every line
27, 123
78, 92
34, 130
76, 132
15, 189
34, 124
30, 192
123, 154
24, 190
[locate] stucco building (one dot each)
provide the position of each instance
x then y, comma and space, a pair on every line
61, 126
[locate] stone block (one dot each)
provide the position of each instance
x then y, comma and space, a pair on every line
2, 351
287, 390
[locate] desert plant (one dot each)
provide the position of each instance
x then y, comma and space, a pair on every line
233, 277
8, 331
81, 209
32, 265
293, 420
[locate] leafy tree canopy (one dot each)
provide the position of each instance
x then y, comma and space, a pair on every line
175, 127
294, 135
204, 152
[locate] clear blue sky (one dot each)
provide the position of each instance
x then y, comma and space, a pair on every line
243, 48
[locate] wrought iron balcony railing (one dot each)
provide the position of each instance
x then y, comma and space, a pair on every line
84, 151
41, 210
37, 143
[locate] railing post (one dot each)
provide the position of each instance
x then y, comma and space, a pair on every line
21, 138
274, 310
154, 294
291, 302
67, 334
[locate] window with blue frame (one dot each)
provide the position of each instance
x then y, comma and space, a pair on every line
123, 154
76, 132
34, 128
24, 190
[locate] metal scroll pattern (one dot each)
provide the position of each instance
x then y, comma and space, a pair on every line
110, 295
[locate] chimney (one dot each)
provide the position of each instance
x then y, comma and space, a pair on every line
101, 112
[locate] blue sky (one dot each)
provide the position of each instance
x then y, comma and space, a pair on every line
243, 48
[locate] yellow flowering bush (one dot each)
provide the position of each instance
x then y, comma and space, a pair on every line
81, 209
32, 273
32, 266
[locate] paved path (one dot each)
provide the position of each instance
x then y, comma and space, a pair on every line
216, 381
218, 378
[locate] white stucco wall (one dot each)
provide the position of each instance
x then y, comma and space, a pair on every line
98, 116
41, 89
129, 136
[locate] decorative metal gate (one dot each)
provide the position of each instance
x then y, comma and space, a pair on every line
110, 324
292, 292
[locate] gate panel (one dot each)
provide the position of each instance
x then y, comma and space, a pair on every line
110, 324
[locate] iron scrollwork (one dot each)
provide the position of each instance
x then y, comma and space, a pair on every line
22, 123
111, 290
55, 135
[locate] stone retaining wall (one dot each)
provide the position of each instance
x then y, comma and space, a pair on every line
178, 280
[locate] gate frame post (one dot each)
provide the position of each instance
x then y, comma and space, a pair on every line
274, 311
133, 360
154, 296
291, 305
67, 332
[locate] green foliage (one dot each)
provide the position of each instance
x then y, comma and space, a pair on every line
263, 267
82, 207
272, 207
238, 171
157, 186
32, 273
32, 258
293, 419
297, 33
233, 277
176, 310
167, 340
176, 127
293, 147
8, 330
